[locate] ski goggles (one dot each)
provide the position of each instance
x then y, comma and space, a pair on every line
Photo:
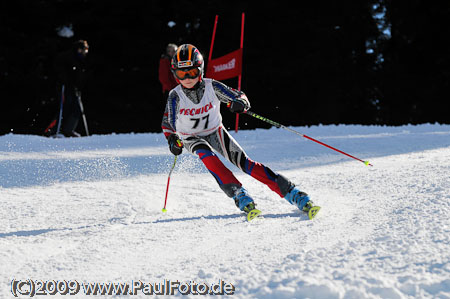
191, 73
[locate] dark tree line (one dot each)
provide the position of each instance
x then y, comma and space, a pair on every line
328, 62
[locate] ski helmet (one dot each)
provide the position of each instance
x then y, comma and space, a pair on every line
187, 62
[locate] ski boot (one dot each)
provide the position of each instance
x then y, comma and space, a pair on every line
245, 203
302, 201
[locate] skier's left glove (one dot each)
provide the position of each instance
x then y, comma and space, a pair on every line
175, 144
239, 105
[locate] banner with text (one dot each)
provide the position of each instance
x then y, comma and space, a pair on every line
225, 67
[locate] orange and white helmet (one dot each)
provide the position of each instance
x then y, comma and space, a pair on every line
187, 62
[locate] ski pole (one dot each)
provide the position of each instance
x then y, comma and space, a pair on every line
273, 123
80, 103
60, 111
168, 182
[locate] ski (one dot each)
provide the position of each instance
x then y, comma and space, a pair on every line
251, 211
313, 212
311, 209
253, 214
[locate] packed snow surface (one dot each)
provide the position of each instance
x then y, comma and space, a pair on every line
89, 210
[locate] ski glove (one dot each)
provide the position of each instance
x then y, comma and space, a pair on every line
175, 144
239, 105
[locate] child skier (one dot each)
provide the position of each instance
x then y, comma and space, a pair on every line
192, 120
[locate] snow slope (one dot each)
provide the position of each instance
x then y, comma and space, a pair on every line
89, 210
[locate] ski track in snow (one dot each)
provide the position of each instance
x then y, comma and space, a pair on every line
89, 209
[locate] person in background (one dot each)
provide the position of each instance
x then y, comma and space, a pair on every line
166, 77
70, 69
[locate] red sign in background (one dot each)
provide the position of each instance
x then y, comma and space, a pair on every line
225, 67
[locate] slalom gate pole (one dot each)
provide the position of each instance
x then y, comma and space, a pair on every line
168, 182
236, 126
213, 37
273, 123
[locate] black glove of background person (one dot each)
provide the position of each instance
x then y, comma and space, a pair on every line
239, 105
175, 144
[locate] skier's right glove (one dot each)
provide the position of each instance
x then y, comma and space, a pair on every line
175, 144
